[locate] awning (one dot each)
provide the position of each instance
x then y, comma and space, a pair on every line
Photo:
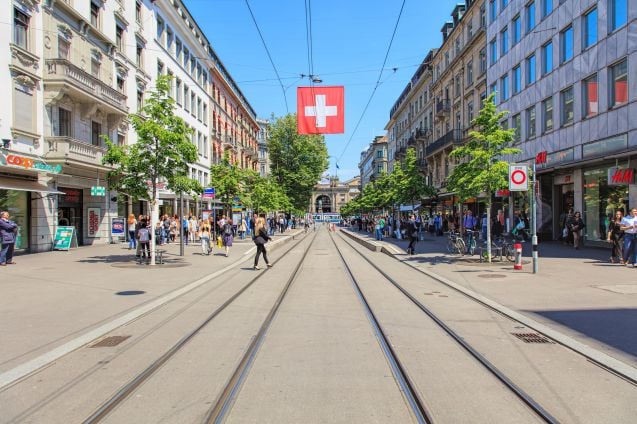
26, 185
405, 208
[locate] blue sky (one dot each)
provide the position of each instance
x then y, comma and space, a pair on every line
350, 40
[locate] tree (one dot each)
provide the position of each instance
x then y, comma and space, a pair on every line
228, 181
481, 168
411, 184
297, 160
162, 153
265, 195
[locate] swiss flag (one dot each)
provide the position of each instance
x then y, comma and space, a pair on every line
320, 110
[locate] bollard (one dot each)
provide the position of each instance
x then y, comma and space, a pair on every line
518, 256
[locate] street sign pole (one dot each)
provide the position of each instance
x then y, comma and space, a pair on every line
181, 224
534, 222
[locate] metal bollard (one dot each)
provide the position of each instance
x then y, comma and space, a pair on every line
518, 256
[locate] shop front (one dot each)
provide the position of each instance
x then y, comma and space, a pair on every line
17, 204
70, 207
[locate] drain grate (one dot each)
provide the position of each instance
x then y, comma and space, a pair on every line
532, 338
110, 341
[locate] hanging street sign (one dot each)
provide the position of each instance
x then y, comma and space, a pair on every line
208, 193
98, 191
518, 177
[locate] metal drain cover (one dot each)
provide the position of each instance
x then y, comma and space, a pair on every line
491, 275
110, 341
532, 338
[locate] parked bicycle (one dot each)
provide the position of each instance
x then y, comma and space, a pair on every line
508, 251
471, 242
455, 243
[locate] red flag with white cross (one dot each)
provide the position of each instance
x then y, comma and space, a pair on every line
320, 110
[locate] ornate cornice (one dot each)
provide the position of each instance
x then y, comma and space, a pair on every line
25, 58
30, 4
65, 31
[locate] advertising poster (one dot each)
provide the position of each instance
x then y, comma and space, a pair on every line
94, 218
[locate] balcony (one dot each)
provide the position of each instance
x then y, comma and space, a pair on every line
452, 138
421, 163
423, 134
62, 74
250, 151
443, 107
411, 141
228, 142
71, 151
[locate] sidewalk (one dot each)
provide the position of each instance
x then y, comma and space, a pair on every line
49, 299
576, 292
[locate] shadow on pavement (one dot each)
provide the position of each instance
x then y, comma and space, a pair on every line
609, 326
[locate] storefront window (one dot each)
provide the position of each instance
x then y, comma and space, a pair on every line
17, 203
601, 200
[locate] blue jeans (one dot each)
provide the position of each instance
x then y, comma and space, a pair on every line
6, 254
379, 234
630, 247
132, 241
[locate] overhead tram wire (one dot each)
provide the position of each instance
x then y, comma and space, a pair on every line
378, 82
265, 46
308, 39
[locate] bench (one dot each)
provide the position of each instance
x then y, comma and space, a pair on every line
496, 251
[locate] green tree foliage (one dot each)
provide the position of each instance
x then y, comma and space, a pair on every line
228, 180
481, 168
410, 183
296, 160
264, 194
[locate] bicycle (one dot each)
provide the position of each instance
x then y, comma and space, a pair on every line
455, 243
508, 250
471, 241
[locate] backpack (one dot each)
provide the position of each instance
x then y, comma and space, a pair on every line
227, 229
144, 235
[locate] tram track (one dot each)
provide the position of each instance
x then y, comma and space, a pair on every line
125, 391
524, 397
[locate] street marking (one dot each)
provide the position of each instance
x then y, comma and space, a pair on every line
21, 371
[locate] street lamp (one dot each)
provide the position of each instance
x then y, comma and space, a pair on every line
314, 78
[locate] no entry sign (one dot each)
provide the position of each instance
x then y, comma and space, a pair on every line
518, 178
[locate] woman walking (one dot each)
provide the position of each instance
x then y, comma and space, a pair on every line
205, 238
576, 227
132, 223
261, 237
616, 238
227, 235
243, 227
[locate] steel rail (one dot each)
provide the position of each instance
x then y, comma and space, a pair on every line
519, 392
123, 393
418, 408
224, 401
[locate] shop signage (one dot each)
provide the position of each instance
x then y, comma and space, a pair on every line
563, 179
237, 208
28, 163
518, 178
540, 158
98, 191
503, 193
117, 227
93, 222
71, 195
206, 213
621, 176
64, 238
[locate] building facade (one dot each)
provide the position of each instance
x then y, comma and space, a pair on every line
75, 71
262, 144
566, 72
331, 194
374, 160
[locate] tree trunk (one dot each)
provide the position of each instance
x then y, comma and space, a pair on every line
154, 218
489, 228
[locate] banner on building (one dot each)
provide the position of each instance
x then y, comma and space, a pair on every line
320, 110
94, 218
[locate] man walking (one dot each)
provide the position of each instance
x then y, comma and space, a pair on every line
629, 226
8, 232
411, 231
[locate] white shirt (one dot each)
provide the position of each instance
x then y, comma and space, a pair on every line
629, 221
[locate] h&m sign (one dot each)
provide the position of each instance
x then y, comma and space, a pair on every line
621, 176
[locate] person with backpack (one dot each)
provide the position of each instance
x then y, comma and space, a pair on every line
184, 225
261, 237
143, 239
227, 235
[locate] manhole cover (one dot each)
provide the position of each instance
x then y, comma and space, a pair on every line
491, 275
531, 338
110, 341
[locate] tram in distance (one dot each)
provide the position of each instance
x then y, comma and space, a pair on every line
325, 217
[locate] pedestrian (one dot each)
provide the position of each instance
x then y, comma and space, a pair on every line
144, 239
576, 227
132, 223
282, 224
158, 231
629, 226
243, 227
567, 236
184, 226
438, 224
166, 230
379, 231
261, 237
8, 234
205, 237
227, 235
412, 232
193, 228
173, 228
140, 219
616, 238
485, 223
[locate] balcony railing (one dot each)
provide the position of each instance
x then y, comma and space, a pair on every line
443, 107
423, 134
61, 69
71, 149
421, 163
411, 141
229, 142
453, 137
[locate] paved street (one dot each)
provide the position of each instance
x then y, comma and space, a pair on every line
320, 358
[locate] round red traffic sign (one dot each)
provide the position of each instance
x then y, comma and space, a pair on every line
518, 176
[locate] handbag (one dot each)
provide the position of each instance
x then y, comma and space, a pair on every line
564, 232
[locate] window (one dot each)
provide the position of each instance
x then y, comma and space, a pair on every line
96, 131
504, 87
64, 48
566, 44
470, 73
530, 69
483, 16
504, 41
547, 58
516, 123
139, 56
483, 60
20, 29
446, 60
547, 115
140, 99
199, 109
517, 29
547, 7
138, 12
590, 96
193, 103
530, 16
589, 36
120, 84
177, 49
469, 30
493, 10
505, 3
169, 39
160, 30
517, 80
205, 114
171, 89
119, 38
470, 111
379, 154
530, 122
566, 107
494, 90
618, 84
205, 153
617, 13
458, 45
95, 68
493, 51
186, 98
186, 58
457, 90
64, 123
178, 89
95, 15
160, 68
